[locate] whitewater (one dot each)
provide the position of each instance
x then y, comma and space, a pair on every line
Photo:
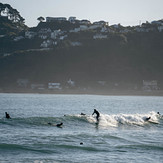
123, 133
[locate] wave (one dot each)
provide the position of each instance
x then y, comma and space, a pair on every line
105, 120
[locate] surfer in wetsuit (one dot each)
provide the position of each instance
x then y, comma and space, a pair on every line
148, 118
97, 114
58, 125
7, 115
82, 114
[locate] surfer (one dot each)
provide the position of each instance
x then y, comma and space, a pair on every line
97, 114
58, 125
82, 114
148, 118
7, 115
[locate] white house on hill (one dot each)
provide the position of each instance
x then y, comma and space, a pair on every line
54, 86
54, 19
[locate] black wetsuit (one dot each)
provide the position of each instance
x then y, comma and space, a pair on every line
148, 118
59, 125
97, 113
7, 115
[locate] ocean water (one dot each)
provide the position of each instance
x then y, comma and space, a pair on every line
122, 134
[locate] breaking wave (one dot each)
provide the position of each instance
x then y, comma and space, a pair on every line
105, 120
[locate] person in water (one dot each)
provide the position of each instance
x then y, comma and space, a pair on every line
97, 114
82, 114
58, 125
148, 118
7, 115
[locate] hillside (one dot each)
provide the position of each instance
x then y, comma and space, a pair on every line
95, 56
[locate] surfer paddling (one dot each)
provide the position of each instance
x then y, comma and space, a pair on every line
57, 125
97, 114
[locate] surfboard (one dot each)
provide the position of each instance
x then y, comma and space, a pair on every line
154, 122
97, 123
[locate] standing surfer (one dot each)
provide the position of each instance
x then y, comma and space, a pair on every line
97, 114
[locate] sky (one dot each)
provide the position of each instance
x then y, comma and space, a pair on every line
125, 12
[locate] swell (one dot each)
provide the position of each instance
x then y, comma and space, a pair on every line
22, 148
105, 120
143, 147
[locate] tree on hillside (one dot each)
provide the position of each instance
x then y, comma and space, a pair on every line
11, 13
41, 19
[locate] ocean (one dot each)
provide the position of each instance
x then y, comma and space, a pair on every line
123, 135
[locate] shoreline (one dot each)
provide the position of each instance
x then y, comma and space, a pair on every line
88, 92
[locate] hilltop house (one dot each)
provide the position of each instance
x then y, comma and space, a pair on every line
85, 22
101, 23
54, 19
72, 19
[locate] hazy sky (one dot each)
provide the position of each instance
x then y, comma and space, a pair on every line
125, 12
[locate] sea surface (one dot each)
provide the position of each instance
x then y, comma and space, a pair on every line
122, 135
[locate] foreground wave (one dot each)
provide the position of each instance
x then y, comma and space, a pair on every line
105, 120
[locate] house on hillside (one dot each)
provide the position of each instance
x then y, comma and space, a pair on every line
55, 19
95, 26
83, 27
103, 23
100, 36
159, 22
23, 83
84, 22
46, 43
72, 19
160, 28
75, 43
104, 29
44, 31
56, 33
150, 85
76, 30
30, 34
140, 29
102, 83
38, 86
71, 83
18, 38
54, 86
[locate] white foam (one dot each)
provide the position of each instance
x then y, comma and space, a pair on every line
124, 119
